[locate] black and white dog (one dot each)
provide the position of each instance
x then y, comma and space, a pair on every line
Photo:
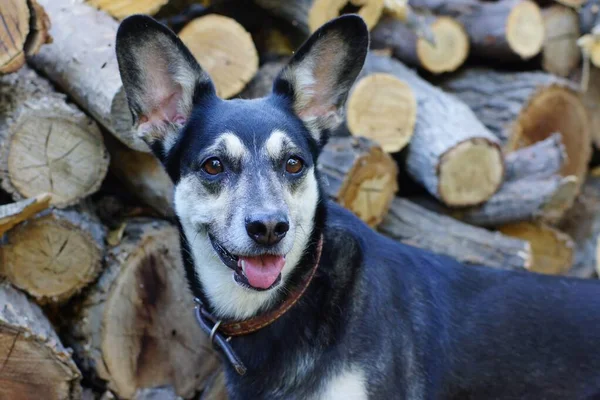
319, 305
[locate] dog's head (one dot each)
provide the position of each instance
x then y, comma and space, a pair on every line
246, 186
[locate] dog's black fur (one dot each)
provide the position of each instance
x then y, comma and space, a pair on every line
418, 325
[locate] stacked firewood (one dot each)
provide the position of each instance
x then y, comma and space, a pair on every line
470, 132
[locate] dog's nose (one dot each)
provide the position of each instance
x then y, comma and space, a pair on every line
267, 229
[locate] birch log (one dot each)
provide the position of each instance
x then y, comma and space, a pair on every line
46, 144
224, 49
23, 31
525, 107
135, 328
83, 63
453, 155
54, 255
308, 15
552, 249
447, 54
35, 364
560, 54
360, 176
414, 225
504, 31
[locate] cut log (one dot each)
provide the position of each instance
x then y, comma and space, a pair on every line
48, 145
416, 226
143, 176
582, 223
541, 159
308, 15
560, 54
591, 98
23, 31
532, 190
504, 31
526, 107
360, 176
380, 106
552, 249
449, 52
54, 255
15, 213
383, 108
524, 200
224, 49
590, 46
34, 362
124, 8
215, 389
135, 328
85, 65
455, 157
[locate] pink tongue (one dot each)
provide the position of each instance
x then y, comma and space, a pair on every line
262, 271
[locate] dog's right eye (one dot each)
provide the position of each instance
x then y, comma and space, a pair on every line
213, 166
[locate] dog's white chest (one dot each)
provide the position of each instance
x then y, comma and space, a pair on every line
348, 385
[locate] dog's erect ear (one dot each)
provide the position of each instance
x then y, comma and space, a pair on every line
319, 76
161, 78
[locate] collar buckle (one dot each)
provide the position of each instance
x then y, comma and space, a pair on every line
210, 325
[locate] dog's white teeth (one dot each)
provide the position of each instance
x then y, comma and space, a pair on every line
244, 266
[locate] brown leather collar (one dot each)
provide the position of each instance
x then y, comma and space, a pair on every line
217, 329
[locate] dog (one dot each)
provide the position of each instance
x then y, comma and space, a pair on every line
306, 301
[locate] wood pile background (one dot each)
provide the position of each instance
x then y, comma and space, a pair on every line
473, 131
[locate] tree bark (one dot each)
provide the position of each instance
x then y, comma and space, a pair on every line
47, 144
143, 175
224, 49
24, 30
560, 54
541, 159
85, 66
590, 86
360, 176
15, 213
505, 31
416, 226
582, 223
455, 157
54, 255
449, 52
526, 107
135, 328
532, 189
35, 364
552, 249
308, 15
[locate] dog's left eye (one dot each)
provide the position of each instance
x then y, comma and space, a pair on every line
293, 165
213, 166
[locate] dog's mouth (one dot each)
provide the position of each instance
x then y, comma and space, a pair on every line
261, 272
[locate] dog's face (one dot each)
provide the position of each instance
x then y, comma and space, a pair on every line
246, 188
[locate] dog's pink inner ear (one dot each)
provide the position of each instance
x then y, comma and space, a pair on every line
165, 110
